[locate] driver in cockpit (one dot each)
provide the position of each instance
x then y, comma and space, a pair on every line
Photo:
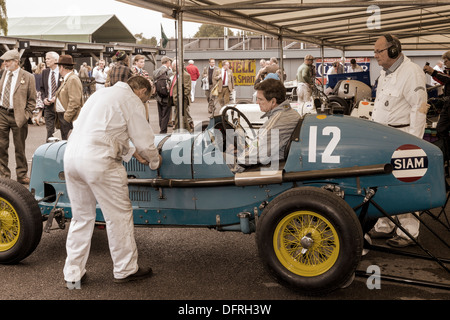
269, 144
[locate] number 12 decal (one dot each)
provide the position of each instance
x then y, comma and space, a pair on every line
327, 156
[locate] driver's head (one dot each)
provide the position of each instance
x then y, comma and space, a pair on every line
141, 87
270, 93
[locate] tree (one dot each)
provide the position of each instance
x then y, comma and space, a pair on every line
143, 40
211, 31
3, 17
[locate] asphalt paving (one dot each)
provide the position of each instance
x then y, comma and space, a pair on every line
207, 267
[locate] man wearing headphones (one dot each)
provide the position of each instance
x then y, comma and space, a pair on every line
401, 102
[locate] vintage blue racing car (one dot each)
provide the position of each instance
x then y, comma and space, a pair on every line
309, 212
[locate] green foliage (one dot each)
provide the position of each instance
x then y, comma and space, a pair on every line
143, 40
3, 17
211, 31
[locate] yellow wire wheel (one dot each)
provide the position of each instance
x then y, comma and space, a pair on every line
9, 225
20, 222
310, 240
306, 243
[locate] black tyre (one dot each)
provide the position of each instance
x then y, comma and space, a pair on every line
338, 105
310, 240
20, 222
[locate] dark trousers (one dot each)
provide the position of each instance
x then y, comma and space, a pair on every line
49, 116
164, 115
443, 128
64, 126
188, 124
211, 100
19, 135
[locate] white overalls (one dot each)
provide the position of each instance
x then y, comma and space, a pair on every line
94, 173
401, 102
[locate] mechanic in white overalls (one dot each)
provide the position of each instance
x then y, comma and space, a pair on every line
94, 172
401, 102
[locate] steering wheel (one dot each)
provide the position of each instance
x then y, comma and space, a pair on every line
235, 120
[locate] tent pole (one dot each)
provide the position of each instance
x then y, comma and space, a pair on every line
281, 53
180, 67
322, 56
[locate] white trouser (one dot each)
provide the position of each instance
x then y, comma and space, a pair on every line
193, 90
85, 185
407, 221
303, 92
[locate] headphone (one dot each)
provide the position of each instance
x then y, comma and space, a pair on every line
394, 50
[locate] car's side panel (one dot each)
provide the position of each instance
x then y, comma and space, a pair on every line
416, 183
325, 142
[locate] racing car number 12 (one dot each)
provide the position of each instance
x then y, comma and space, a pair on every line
327, 156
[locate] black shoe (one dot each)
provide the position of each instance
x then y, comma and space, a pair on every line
142, 273
399, 242
25, 180
381, 235
75, 284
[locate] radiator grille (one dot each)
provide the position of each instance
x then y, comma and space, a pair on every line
134, 166
141, 196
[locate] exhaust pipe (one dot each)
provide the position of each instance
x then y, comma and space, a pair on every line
257, 178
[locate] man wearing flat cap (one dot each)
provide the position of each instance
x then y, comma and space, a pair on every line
69, 97
17, 102
121, 70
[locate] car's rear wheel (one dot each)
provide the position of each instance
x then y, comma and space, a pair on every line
20, 222
338, 105
310, 240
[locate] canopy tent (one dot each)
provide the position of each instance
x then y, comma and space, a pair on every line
341, 24
88, 29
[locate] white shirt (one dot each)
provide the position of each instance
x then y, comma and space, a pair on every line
56, 70
434, 82
58, 105
100, 75
401, 98
225, 84
109, 119
332, 70
13, 85
357, 68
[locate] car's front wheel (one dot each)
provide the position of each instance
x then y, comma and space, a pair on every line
310, 240
20, 222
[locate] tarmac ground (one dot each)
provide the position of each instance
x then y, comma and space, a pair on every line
206, 265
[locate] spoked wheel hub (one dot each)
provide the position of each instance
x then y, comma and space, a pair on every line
20, 222
310, 240
306, 244
9, 225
